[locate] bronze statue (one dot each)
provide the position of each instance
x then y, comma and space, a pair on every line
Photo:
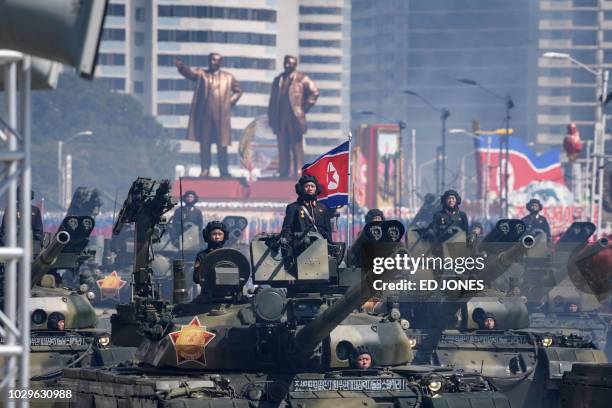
293, 94
216, 93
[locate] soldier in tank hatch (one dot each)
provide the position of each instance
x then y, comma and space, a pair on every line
361, 358
450, 218
535, 221
306, 212
354, 255
189, 213
215, 235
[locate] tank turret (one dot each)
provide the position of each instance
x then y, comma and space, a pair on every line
491, 332
48, 255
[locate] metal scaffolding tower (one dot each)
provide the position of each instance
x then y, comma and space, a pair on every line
16, 253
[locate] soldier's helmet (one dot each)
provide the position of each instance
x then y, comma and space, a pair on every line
534, 201
357, 351
215, 225
374, 212
190, 192
299, 186
449, 193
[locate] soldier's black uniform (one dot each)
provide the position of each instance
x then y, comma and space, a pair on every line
189, 213
306, 212
212, 246
448, 218
534, 220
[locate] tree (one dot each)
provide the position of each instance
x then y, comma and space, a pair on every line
126, 141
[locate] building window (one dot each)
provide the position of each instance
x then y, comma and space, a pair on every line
230, 13
167, 60
113, 34
325, 76
222, 37
320, 27
324, 125
320, 59
328, 93
139, 38
139, 63
321, 141
139, 87
321, 10
139, 14
175, 85
115, 10
183, 109
111, 59
178, 133
321, 43
324, 109
183, 85
116, 84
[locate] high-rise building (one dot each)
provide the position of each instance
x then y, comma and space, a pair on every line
143, 38
322, 50
114, 53
423, 46
568, 92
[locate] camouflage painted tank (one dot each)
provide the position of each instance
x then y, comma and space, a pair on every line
65, 330
587, 386
524, 363
290, 342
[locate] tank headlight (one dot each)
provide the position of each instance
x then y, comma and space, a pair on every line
73, 223
412, 343
434, 385
39, 316
547, 341
104, 340
405, 324
83, 288
91, 296
87, 224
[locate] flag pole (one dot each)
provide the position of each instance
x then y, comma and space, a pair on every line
350, 203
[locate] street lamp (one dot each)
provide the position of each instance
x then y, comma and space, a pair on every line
65, 170
597, 174
401, 125
444, 115
485, 170
504, 146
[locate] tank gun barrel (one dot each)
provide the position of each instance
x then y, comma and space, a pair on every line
313, 333
591, 250
47, 256
498, 265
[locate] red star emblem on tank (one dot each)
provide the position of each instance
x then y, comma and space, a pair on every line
110, 286
190, 342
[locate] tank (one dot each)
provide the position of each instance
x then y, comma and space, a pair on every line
525, 363
575, 303
65, 329
587, 385
290, 341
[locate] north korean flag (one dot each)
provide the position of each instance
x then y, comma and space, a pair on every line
331, 170
524, 167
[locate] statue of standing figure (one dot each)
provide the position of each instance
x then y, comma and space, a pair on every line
215, 94
293, 94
